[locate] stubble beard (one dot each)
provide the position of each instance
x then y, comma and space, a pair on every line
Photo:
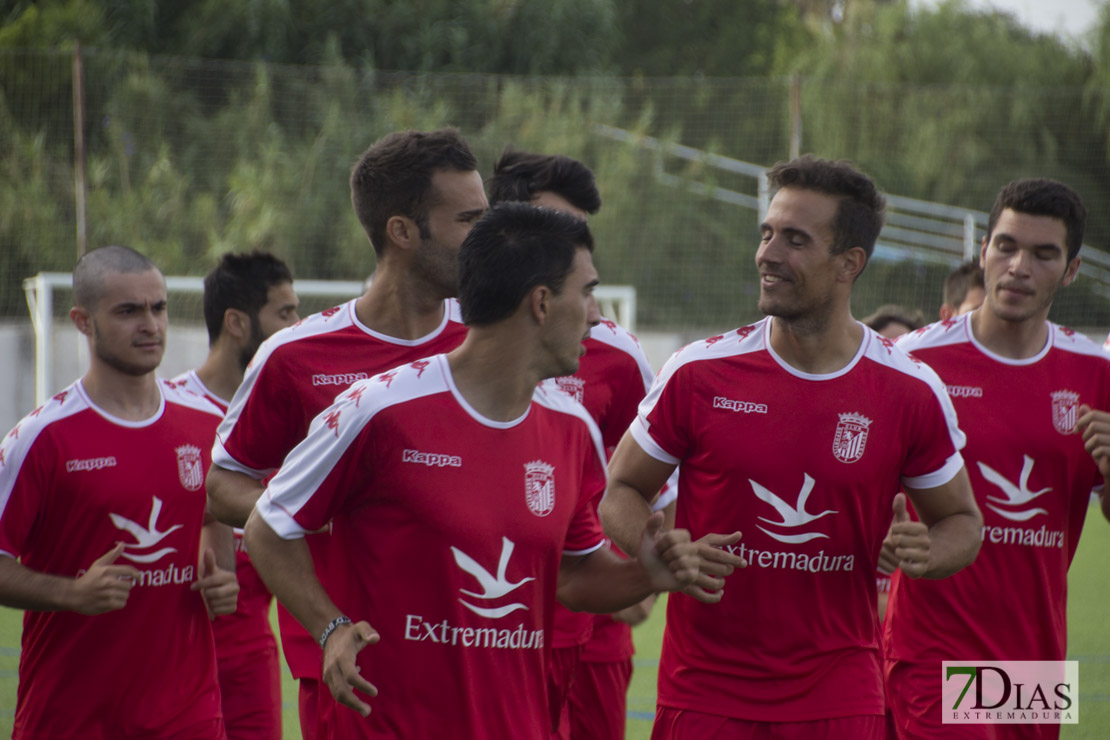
119, 364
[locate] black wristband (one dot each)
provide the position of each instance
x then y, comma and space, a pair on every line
332, 626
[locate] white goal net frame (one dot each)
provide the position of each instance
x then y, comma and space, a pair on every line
617, 302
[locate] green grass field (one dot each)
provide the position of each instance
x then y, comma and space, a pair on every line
1089, 643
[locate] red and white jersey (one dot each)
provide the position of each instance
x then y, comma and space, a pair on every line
612, 378
296, 374
1032, 479
457, 525
247, 629
74, 481
191, 382
806, 467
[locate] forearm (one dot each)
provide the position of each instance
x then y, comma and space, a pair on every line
23, 588
603, 582
623, 514
287, 570
232, 495
955, 541
219, 538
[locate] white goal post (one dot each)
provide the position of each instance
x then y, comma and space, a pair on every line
618, 302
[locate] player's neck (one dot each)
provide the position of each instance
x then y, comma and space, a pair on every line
399, 305
221, 373
1015, 340
128, 397
817, 350
494, 375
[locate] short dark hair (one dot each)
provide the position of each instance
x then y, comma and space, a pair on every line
394, 178
240, 281
511, 250
965, 277
859, 217
892, 313
1040, 196
521, 176
89, 272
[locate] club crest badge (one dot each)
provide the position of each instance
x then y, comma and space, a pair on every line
572, 386
189, 470
851, 437
1065, 411
539, 487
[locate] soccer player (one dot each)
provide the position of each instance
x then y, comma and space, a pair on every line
247, 297
465, 493
1026, 391
796, 431
591, 664
416, 195
963, 290
104, 538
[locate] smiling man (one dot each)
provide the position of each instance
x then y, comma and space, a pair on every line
465, 492
1027, 391
796, 431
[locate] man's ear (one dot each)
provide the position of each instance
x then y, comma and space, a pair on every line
81, 319
403, 232
1071, 272
539, 302
237, 324
852, 263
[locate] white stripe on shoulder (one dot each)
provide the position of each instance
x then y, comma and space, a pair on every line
18, 442
616, 336
1070, 340
938, 334
549, 396
183, 396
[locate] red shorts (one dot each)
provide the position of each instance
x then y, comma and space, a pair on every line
250, 690
683, 724
598, 700
308, 706
913, 701
560, 679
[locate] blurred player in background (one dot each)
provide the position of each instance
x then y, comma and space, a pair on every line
1032, 398
247, 298
416, 195
105, 541
795, 431
591, 654
963, 291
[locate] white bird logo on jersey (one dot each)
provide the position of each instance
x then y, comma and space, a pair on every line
147, 536
791, 517
1018, 495
492, 588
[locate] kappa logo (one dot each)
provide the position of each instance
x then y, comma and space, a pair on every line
791, 516
92, 463
431, 459
740, 407
343, 379
539, 487
851, 437
493, 587
1015, 495
1065, 411
743, 332
572, 386
145, 537
964, 391
190, 471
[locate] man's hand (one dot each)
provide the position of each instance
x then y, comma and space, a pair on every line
670, 558
218, 587
341, 671
715, 562
909, 542
1095, 428
104, 587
